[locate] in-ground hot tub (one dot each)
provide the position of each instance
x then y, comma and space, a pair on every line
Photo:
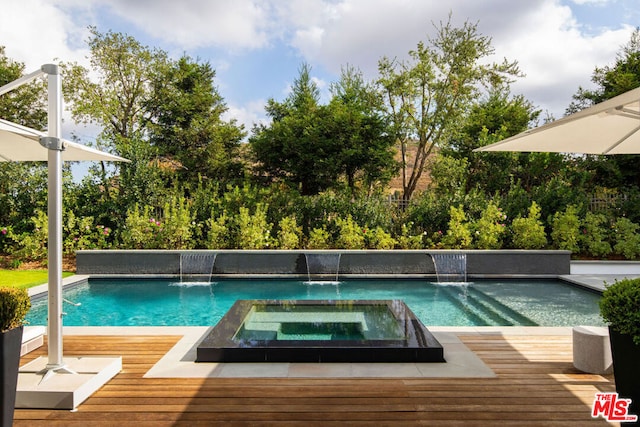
320, 331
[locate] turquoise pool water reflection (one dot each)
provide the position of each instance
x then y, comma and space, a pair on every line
481, 303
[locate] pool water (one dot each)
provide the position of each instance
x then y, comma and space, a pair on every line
481, 303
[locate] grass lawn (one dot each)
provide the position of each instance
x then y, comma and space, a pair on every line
25, 278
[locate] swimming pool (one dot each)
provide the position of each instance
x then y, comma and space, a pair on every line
143, 302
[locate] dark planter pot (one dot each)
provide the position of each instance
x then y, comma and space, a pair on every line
626, 369
10, 343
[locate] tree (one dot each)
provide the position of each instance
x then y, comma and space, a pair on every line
22, 185
186, 125
114, 94
495, 117
314, 146
428, 94
363, 134
297, 147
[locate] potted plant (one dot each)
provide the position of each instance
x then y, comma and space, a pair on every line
14, 305
620, 308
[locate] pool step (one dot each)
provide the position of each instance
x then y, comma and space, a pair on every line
484, 309
477, 316
516, 319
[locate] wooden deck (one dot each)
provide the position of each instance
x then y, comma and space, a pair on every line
536, 385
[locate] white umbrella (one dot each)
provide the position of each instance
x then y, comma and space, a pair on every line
22, 144
610, 127
19, 143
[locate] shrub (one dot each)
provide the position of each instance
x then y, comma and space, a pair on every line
319, 238
171, 229
565, 229
14, 306
490, 228
406, 240
627, 238
350, 234
82, 233
32, 245
379, 239
217, 234
620, 307
254, 232
594, 235
458, 235
528, 233
290, 233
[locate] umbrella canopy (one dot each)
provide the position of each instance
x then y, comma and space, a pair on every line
610, 127
22, 144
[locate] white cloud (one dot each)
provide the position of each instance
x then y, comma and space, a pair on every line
37, 32
249, 114
233, 24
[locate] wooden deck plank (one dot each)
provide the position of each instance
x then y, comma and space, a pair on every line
536, 384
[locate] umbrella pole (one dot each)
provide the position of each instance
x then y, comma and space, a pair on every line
54, 145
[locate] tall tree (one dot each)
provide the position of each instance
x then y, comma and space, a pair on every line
314, 147
296, 146
428, 94
186, 124
113, 94
363, 133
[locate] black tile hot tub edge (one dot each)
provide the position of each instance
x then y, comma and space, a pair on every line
322, 355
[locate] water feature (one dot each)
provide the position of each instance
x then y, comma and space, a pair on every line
196, 268
322, 268
155, 302
451, 268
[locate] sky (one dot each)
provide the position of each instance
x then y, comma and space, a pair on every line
257, 46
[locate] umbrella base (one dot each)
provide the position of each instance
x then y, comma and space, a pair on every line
63, 390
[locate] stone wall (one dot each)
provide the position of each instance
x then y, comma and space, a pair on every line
353, 263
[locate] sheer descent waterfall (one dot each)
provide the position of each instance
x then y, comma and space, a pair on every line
196, 267
450, 267
322, 267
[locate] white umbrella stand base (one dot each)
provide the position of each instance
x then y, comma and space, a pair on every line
65, 387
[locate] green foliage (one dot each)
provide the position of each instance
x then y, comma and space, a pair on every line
32, 245
594, 235
490, 228
407, 240
350, 234
458, 234
627, 238
528, 232
316, 147
289, 233
319, 238
218, 232
565, 229
14, 305
83, 233
620, 307
254, 232
377, 238
449, 175
171, 229
428, 94
25, 105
